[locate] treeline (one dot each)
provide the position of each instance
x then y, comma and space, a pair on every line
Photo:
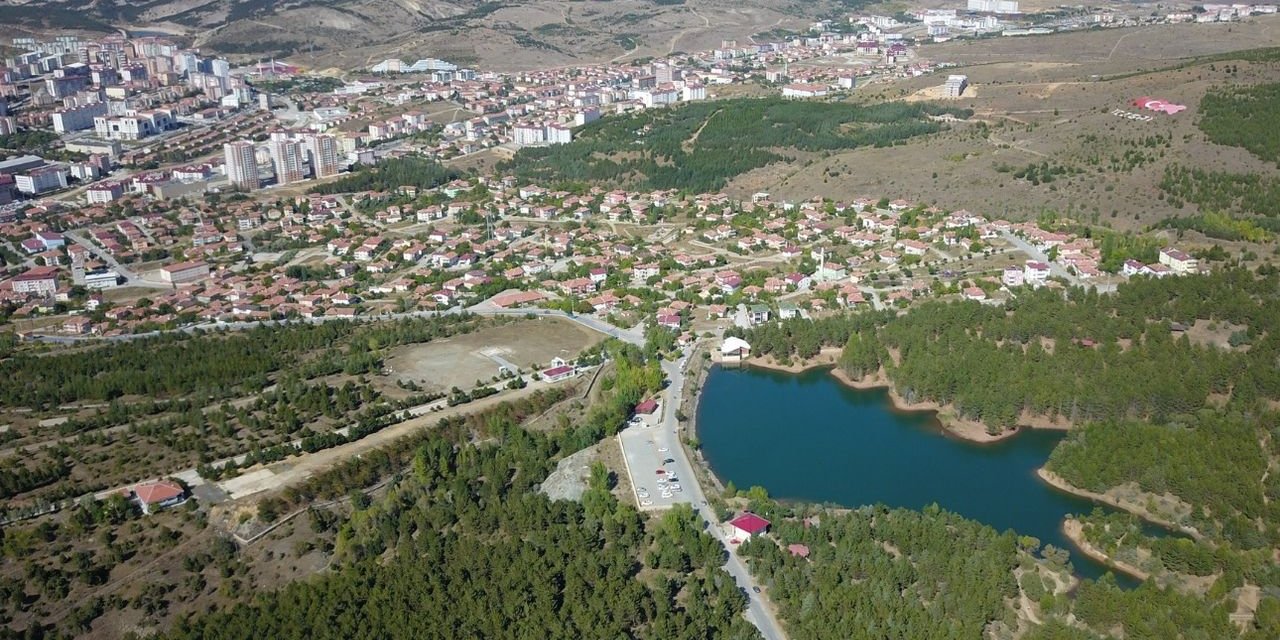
1222, 191
1081, 356
878, 573
1244, 117
218, 365
798, 338
1126, 538
391, 174
462, 545
16, 479
698, 147
1224, 227
1208, 459
1085, 356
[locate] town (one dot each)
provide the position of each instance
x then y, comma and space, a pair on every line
682, 341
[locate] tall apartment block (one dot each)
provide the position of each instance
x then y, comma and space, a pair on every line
242, 166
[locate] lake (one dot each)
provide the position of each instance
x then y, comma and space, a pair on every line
807, 437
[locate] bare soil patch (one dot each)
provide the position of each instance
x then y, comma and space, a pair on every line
462, 360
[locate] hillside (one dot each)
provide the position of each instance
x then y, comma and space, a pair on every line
352, 34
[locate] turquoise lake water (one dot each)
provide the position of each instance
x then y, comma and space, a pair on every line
806, 437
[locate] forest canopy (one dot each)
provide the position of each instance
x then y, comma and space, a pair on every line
700, 146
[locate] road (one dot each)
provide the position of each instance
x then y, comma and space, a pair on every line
130, 277
1055, 269
758, 612
667, 436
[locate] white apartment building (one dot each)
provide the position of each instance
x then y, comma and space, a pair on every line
242, 165
41, 180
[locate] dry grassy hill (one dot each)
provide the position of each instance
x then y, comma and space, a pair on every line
1053, 105
503, 35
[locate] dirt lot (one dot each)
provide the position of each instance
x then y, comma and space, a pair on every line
462, 360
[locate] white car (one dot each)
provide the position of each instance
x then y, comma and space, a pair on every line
666, 494
643, 494
673, 487
663, 449
646, 503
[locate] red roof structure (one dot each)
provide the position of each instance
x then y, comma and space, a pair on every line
750, 523
647, 407
157, 492
798, 550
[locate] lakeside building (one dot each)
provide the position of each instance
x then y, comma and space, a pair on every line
734, 349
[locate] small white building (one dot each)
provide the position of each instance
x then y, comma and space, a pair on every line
734, 349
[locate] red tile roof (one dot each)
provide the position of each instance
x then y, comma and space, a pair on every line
155, 492
647, 407
750, 522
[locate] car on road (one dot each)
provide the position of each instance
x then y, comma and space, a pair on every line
646, 503
668, 461
661, 472
756, 589
663, 449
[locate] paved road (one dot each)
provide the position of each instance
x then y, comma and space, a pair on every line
1055, 269
758, 612
131, 278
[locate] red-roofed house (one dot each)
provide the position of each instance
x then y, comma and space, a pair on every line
560, 370
798, 550
647, 407
153, 496
748, 524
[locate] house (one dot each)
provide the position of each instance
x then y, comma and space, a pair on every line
748, 524
1131, 268
1157, 270
913, 247
734, 349
1035, 273
974, 293
798, 550
77, 324
647, 408
160, 494
560, 370
1179, 261
1013, 277
787, 310
757, 314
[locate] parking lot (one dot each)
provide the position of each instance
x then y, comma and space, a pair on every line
646, 450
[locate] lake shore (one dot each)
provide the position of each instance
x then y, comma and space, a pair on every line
1074, 531
1132, 506
960, 427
